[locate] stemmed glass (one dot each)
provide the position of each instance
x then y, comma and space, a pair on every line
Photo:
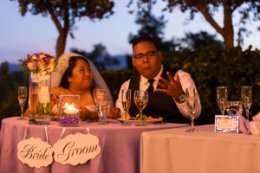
22, 96
233, 107
102, 102
126, 101
246, 98
141, 100
222, 97
191, 99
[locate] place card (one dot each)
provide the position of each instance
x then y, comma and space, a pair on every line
76, 149
226, 123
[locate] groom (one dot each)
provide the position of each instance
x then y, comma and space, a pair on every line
166, 86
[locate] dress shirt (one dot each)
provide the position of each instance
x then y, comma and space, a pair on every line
185, 80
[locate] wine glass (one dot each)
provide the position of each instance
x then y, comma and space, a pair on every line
141, 100
102, 102
246, 98
22, 96
222, 97
233, 107
126, 101
191, 99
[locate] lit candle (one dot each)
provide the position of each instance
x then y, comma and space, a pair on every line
70, 109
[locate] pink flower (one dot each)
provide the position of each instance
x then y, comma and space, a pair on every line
39, 63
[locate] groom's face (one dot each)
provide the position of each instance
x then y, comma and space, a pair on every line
147, 59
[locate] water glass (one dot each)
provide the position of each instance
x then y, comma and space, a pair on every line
102, 102
192, 99
103, 112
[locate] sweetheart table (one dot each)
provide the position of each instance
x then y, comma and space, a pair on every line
120, 146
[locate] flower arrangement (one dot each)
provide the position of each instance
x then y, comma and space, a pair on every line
40, 65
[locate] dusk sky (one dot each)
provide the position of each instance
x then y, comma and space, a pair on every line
20, 36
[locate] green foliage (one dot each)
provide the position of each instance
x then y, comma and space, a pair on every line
65, 9
9, 105
115, 79
248, 11
211, 66
99, 56
65, 13
202, 38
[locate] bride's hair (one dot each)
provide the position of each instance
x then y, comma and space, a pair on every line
68, 72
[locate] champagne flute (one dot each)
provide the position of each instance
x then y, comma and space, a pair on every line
192, 99
22, 96
126, 101
222, 97
141, 100
246, 97
101, 100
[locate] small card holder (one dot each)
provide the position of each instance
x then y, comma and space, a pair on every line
226, 123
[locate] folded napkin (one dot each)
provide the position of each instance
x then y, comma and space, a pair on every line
257, 117
255, 125
243, 124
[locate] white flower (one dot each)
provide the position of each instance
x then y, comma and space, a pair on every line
41, 64
31, 66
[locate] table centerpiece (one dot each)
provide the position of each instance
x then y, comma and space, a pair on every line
39, 65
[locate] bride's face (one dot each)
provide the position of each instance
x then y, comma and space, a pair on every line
81, 78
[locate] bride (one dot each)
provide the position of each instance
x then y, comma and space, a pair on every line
75, 74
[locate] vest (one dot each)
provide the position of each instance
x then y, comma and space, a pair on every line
159, 104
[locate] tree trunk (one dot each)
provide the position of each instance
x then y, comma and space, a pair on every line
228, 31
61, 42
228, 39
62, 30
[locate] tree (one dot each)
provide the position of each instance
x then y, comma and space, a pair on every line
99, 56
153, 26
64, 14
200, 39
4, 70
248, 9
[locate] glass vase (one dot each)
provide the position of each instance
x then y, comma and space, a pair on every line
39, 98
69, 110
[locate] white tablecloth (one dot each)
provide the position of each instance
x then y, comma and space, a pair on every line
176, 151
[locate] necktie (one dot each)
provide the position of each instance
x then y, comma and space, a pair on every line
150, 89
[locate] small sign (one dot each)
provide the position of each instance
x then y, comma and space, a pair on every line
35, 152
226, 123
76, 149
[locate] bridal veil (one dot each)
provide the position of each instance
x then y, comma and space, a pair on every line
63, 63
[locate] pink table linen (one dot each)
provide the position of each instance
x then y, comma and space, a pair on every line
120, 146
